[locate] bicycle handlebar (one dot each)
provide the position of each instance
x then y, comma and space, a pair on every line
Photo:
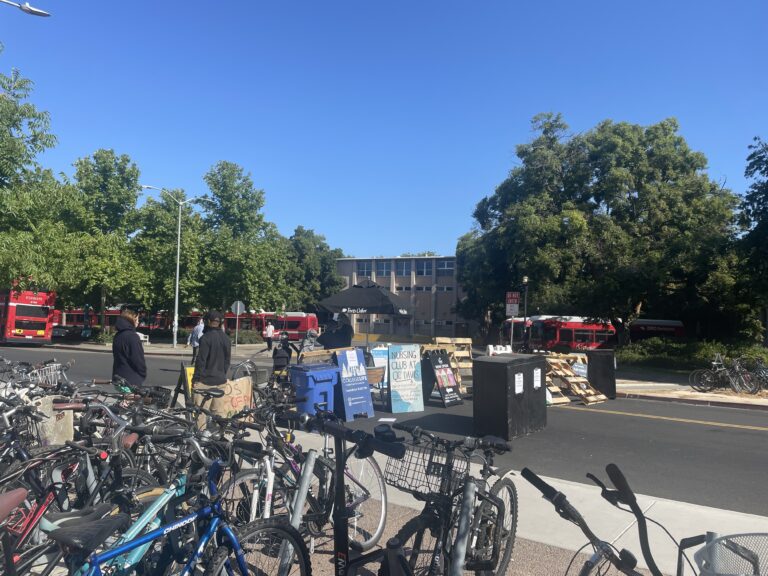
624, 562
357, 437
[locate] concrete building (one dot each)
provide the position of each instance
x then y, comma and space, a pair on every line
429, 282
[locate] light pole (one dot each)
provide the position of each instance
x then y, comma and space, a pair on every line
31, 10
525, 313
178, 254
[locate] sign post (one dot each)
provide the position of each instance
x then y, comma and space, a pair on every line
237, 308
513, 309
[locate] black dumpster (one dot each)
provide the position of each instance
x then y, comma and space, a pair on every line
509, 395
601, 371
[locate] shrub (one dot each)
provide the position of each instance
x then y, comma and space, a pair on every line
684, 354
104, 337
246, 337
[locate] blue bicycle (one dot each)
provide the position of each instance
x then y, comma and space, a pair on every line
263, 547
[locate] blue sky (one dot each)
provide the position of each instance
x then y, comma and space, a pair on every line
381, 124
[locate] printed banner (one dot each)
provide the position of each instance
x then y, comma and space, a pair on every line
355, 390
405, 393
442, 376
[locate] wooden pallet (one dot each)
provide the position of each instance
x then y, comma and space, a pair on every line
563, 376
320, 356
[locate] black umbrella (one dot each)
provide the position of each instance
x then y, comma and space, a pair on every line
367, 298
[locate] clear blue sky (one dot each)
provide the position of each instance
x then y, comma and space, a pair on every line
381, 124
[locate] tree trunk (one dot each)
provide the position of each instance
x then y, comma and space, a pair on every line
104, 327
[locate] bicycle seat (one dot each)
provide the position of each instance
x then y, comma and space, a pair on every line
11, 500
253, 449
209, 392
75, 517
90, 535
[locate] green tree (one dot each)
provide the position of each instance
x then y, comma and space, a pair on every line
315, 264
108, 187
609, 223
755, 217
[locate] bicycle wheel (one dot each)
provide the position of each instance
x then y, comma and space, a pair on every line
704, 380
419, 538
244, 497
487, 523
748, 382
266, 544
366, 501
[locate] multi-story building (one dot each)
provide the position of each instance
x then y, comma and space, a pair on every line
429, 282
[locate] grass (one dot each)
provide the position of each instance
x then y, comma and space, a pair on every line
685, 354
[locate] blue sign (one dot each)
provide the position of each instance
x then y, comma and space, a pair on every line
355, 390
405, 394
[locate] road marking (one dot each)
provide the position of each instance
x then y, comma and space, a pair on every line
670, 418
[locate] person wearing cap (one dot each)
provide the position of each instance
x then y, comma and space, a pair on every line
214, 352
127, 352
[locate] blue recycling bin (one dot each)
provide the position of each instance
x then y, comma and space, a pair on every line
315, 384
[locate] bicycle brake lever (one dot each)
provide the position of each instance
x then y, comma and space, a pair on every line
612, 496
596, 480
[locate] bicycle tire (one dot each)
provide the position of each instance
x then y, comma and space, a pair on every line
505, 490
367, 518
418, 538
694, 379
748, 382
238, 493
264, 539
706, 382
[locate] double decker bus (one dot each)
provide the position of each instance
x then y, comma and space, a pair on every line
566, 333
26, 316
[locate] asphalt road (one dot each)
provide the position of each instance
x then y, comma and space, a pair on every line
702, 455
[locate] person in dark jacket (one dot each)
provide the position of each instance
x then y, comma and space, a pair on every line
127, 351
214, 353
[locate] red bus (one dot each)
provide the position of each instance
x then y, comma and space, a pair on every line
296, 324
570, 333
649, 328
26, 316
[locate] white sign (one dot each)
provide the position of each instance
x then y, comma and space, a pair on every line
519, 383
580, 369
536, 378
513, 309
237, 307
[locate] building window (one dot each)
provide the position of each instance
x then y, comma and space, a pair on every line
383, 268
402, 268
423, 267
445, 267
444, 288
364, 268
421, 288
401, 288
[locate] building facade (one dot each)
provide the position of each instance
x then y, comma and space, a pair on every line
428, 282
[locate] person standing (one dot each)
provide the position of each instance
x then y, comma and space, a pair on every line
194, 337
269, 333
127, 351
214, 352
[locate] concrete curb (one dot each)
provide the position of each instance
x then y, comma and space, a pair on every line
166, 353
695, 401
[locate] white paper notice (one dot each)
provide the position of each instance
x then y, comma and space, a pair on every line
519, 383
536, 378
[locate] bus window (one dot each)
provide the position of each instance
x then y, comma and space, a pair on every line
603, 335
550, 333
566, 335
583, 335
32, 311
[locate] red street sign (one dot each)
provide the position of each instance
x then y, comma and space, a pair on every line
513, 297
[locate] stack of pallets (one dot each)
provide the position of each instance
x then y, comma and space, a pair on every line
561, 375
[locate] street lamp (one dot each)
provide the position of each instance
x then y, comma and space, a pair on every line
526, 336
178, 254
31, 10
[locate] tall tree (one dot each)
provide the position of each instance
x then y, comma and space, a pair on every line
108, 185
315, 263
606, 224
755, 218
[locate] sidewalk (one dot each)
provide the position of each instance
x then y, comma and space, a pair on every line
538, 521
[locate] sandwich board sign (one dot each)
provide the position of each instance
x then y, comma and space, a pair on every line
404, 368
355, 390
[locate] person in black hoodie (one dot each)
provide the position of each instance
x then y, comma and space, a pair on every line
214, 353
127, 351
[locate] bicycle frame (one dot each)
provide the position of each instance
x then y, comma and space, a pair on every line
140, 545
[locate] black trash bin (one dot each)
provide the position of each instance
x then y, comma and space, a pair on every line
509, 395
601, 371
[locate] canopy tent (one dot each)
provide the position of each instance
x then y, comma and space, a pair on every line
367, 297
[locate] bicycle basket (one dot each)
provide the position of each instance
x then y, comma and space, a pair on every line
47, 376
422, 468
734, 555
